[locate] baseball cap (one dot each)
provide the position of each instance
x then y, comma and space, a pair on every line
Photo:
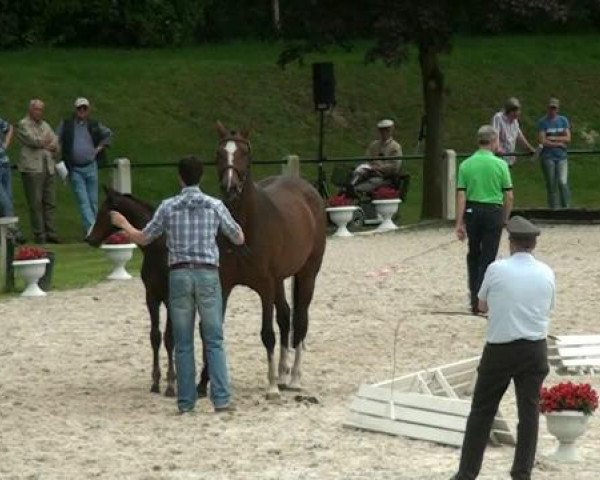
553, 102
386, 123
512, 104
82, 102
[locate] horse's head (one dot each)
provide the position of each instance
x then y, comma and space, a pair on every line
103, 227
233, 161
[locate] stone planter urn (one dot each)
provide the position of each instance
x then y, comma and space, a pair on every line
341, 217
31, 271
387, 208
567, 426
119, 255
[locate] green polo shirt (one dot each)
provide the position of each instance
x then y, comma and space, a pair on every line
484, 177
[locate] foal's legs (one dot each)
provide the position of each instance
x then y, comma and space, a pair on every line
155, 338
283, 320
168, 340
304, 286
267, 297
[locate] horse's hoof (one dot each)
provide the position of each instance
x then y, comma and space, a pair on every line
282, 386
202, 391
170, 392
154, 389
273, 396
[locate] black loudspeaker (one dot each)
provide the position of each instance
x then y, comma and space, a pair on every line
323, 85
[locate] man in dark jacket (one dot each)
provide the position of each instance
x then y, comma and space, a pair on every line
83, 142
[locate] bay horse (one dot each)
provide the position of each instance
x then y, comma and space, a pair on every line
154, 273
284, 222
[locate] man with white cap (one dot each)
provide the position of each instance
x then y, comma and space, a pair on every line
83, 142
385, 146
509, 130
518, 293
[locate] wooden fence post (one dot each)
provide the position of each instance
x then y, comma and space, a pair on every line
122, 175
291, 166
449, 198
5, 224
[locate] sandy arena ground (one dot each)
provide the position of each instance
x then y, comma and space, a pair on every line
75, 373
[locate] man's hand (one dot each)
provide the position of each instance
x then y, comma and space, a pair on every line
461, 231
117, 219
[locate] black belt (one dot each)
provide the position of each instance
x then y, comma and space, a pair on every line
483, 204
193, 266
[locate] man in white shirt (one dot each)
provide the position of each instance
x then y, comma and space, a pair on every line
519, 293
506, 122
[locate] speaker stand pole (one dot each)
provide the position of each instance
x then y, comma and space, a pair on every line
321, 179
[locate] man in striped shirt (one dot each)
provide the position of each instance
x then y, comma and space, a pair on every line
191, 221
506, 122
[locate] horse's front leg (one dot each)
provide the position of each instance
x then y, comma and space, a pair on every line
283, 320
268, 338
155, 338
168, 340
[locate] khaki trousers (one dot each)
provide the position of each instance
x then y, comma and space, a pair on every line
40, 194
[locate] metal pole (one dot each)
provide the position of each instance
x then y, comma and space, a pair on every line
321, 180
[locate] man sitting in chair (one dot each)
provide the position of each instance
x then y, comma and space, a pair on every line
368, 176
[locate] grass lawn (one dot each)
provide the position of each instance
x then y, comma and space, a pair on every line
163, 104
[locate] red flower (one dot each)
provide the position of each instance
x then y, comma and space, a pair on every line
340, 200
27, 252
385, 193
569, 396
118, 238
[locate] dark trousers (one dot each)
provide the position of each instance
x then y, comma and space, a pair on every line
41, 200
484, 230
526, 363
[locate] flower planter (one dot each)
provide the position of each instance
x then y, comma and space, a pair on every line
31, 271
566, 426
387, 208
341, 217
119, 255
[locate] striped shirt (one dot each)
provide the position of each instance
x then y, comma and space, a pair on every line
191, 221
508, 132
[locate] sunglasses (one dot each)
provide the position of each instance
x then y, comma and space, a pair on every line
82, 107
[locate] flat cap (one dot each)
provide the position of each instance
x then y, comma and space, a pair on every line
512, 104
554, 102
521, 227
82, 102
386, 123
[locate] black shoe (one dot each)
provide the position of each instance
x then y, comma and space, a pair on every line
52, 239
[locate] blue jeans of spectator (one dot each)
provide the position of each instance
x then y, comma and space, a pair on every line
192, 290
84, 180
556, 173
6, 196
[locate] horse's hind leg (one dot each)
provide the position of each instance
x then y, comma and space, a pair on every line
168, 340
304, 286
283, 320
155, 338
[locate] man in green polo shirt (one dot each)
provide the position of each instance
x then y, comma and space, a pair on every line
484, 200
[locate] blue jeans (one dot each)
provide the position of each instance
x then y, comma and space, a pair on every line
6, 196
556, 173
84, 181
191, 290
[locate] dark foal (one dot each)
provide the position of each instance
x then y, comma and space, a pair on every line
155, 274
284, 222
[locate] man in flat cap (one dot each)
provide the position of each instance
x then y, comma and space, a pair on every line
518, 293
384, 147
506, 122
484, 201
554, 132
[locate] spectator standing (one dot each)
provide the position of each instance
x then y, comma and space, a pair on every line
37, 167
554, 135
506, 122
191, 221
484, 201
83, 143
519, 293
7, 208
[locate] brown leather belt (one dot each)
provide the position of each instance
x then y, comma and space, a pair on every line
193, 266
